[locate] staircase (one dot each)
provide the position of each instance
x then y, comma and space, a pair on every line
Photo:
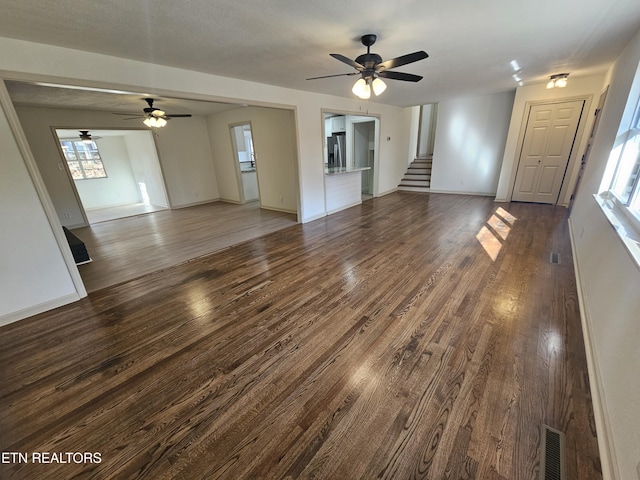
418, 176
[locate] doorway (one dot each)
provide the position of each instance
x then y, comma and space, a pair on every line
244, 152
351, 144
427, 130
363, 153
115, 173
548, 143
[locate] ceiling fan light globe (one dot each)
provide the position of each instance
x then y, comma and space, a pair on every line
561, 82
378, 86
367, 93
551, 84
360, 87
158, 113
160, 122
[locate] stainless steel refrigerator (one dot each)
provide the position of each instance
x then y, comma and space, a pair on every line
336, 150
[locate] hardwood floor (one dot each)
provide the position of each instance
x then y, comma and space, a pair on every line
106, 214
126, 248
379, 342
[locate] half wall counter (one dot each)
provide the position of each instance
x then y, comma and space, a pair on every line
342, 187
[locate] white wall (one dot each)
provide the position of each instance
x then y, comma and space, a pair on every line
610, 282
146, 166
577, 87
273, 132
33, 273
187, 161
119, 187
469, 143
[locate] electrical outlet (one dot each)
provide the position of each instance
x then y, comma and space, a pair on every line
281, 199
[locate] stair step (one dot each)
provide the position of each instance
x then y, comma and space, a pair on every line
418, 175
411, 176
413, 189
415, 183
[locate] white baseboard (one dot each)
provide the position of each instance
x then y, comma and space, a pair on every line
314, 217
36, 309
454, 192
277, 209
605, 438
195, 204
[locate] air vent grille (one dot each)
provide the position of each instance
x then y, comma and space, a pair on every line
554, 258
552, 453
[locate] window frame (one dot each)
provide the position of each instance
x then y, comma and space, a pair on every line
79, 160
620, 204
624, 215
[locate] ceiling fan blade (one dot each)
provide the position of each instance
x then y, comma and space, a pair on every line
129, 114
403, 60
336, 75
348, 61
177, 115
407, 77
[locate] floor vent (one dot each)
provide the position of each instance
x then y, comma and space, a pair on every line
554, 258
552, 453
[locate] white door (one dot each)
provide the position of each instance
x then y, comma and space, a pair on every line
548, 141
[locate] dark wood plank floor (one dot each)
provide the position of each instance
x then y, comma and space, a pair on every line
384, 341
126, 248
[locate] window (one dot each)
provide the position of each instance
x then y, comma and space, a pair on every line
83, 159
619, 196
621, 182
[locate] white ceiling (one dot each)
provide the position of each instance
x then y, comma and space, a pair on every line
471, 43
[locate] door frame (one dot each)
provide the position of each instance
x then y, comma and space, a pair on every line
587, 150
570, 171
236, 160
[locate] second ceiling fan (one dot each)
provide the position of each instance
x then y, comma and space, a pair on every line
371, 69
154, 117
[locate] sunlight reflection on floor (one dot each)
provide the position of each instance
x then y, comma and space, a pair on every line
495, 232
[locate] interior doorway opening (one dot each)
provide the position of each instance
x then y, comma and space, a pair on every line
427, 130
115, 173
244, 151
364, 152
352, 144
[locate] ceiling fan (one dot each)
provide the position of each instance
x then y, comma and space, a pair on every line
153, 117
371, 69
86, 137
